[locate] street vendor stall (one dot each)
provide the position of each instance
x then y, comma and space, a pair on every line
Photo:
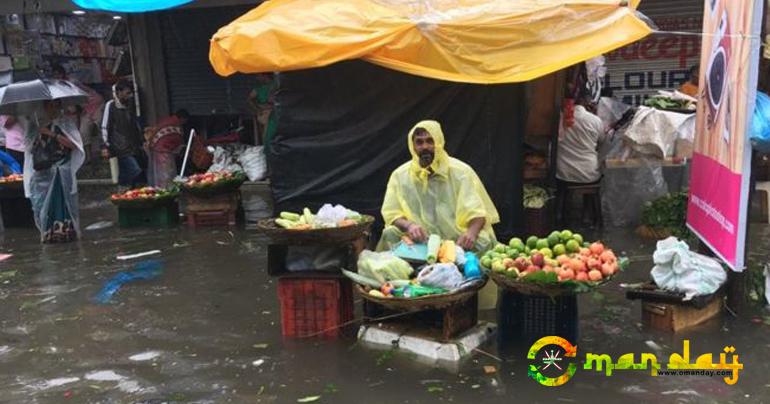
341, 126
651, 152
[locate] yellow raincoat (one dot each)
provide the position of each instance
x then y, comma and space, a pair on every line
443, 203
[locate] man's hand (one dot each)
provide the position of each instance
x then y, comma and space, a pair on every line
467, 240
416, 232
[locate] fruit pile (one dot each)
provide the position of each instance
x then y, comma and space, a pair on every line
11, 178
564, 254
209, 179
146, 193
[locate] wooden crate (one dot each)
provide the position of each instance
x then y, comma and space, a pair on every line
221, 202
676, 317
213, 210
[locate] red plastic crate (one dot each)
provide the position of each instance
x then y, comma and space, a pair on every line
315, 306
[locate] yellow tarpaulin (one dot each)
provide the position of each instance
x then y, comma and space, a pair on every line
474, 41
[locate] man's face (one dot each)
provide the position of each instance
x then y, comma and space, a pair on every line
125, 95
425, 148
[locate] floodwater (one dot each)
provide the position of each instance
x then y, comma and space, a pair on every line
208, 331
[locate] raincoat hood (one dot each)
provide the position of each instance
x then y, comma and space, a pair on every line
440, 164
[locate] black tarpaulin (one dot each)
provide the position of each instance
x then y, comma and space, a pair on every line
342, 131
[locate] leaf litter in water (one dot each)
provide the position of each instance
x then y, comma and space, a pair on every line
308, 399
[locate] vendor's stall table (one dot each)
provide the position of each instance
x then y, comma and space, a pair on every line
667, 311
212, 210
441, 324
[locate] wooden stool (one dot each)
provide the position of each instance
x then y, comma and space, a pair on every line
589, 192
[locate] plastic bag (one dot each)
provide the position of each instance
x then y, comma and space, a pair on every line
253, 162
622, 205
760, 124
329, 216
445, 276
383, 266
224, 160
679, 269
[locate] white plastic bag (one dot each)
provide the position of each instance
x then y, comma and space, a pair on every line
679, 269
329, 216
253, 162
445, 276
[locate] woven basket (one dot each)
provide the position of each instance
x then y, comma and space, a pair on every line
655, 233
335, 235
220, 187
431, 302
541, 289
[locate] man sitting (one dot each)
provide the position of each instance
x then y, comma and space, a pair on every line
436, 194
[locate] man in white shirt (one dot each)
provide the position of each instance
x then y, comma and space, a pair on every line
577, 158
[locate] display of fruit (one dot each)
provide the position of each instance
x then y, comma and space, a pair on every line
146, 193
210, 179
11, 178
563, 253
308, 221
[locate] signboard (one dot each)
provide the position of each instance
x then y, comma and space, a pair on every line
661, 61
721, 164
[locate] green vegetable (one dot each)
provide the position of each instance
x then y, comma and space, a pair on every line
363, 280
308, 215
535, 197
290, 216
434, 243
286, 224
669, 213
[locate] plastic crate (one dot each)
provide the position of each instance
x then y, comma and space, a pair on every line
316, 306
158, 216
527, 318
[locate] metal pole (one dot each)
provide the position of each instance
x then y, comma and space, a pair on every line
186, 153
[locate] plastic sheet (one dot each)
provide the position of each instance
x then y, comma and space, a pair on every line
359, 114
142, 271
760, 124
621, 203
472, 41
681, 270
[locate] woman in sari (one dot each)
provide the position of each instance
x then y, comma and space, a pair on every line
50, 178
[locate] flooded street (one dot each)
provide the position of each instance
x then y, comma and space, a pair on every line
207, 330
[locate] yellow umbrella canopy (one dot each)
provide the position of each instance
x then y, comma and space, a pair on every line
473, 41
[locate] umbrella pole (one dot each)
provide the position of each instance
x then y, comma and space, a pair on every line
186, 153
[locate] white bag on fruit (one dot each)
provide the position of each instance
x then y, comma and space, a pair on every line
681, 270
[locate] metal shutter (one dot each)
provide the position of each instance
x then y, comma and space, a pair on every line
658, 62
192, 83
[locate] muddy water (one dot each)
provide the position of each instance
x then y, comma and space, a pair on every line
208, 331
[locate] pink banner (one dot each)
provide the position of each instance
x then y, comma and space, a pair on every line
721, 163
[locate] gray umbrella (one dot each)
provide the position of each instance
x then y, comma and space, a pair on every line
27, 97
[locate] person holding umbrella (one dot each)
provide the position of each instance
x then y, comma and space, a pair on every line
53, 155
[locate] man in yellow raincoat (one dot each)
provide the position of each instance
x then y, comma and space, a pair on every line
436, 194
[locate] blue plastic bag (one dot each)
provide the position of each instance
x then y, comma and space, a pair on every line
760, 124
145, 270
